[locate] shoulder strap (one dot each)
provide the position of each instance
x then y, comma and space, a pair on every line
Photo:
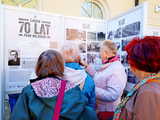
59, 101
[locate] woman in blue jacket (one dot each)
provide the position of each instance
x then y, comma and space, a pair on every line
76, 73
37, 100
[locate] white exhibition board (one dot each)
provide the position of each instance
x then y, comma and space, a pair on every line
27, 33
1, 64
124, 28
128, 25
88, 33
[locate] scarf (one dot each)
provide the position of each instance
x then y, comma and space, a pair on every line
132, 92
111, 59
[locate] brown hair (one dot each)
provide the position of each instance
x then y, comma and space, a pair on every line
110, 45
50, 63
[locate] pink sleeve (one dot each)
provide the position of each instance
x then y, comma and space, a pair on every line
90, 69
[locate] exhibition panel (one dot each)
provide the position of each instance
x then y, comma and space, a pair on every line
89, 34
26, 34
123, 29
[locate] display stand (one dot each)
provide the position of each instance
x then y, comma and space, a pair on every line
32, 33
88, 34
26, 33
122, 29
1, 63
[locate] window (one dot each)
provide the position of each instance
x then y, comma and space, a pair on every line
91, 9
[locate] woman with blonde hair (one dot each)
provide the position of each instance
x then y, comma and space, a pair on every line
110, 80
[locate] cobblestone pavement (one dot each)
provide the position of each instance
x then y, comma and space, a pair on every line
6, 110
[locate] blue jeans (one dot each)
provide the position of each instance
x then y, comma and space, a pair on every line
12, 100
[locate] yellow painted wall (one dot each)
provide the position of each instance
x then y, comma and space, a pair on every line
21, 3
112, 8
65, 7
117, 7
153, 17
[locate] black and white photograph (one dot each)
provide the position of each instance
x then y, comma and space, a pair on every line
83, 57
131, 29
91, 36
101, 36
83, 47
118, 44
93, 58
124, 60
124, 43
110, 35
118, 33
131, 77
93, 47
14, 58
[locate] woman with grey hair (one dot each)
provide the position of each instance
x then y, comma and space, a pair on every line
75, 72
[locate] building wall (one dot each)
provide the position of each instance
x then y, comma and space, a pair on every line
111, 8
21, 3
153, 17
116, 7
65, 7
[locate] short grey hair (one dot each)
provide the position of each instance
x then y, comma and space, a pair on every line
71, 49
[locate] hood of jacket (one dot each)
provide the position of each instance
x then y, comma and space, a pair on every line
43, 94
75, 74
49, 87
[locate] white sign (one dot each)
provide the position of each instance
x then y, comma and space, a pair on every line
27, 34
124, 28
129, 24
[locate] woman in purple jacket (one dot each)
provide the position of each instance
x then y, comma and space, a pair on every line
110, 80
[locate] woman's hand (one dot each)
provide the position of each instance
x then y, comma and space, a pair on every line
83, 63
